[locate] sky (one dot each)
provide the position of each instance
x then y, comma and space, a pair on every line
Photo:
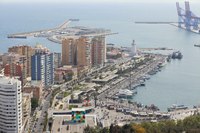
92, 1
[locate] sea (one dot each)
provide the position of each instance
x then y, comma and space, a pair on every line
179, 80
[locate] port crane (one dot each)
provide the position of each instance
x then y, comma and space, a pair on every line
186, 17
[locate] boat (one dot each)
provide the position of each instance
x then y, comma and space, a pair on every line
152, 72
142, 84
197, 45
169, 58
146, 77
177, 55
161, 64
125, 93
135, 86
175, 107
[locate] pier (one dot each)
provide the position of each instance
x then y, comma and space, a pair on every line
35, 33
62, 31
140, 22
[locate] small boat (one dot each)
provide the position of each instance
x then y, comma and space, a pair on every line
146, 77
175, 107
161, 64
196, 45
152, 72
125, 93
142, 84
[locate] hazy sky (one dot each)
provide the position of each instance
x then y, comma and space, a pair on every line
91, 1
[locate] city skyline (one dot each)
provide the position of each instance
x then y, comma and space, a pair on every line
112, 66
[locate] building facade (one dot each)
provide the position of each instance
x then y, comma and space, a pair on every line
42, 67
15, 66
98, 53
69, 52
10, 105
35, 88
26, 51
76, 52
12, 70
57, 60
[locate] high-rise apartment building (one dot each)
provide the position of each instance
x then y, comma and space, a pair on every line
76, 52
26, 51
57, 60
83, 52
10, 105
14, 65
69, 52
98, 53
42, 66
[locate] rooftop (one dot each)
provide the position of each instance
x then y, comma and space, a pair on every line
7, 80
33, 83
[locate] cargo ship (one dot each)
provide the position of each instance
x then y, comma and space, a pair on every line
175, 107
177, 55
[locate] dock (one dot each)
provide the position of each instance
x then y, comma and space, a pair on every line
184, 28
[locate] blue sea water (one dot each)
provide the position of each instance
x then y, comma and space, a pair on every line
179, 81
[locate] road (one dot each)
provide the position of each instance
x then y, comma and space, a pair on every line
39, 124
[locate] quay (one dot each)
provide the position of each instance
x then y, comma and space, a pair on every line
122, 111
57, 34
184, 28
137, 75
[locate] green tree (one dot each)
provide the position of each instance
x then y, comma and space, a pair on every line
34, 103
72, 98
114, 129
138, 128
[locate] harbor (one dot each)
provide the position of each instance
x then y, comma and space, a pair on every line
177, 82
114, 104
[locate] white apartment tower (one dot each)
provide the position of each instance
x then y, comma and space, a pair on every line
10, 105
